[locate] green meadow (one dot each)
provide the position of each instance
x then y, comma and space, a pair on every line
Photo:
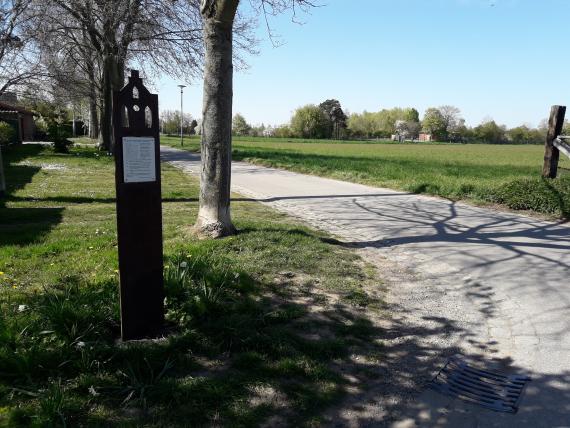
508, 175
258, 324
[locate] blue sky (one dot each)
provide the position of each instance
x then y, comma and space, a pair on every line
504, 59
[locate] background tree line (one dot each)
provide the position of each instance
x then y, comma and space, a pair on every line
445, 123
170, 123
326, 120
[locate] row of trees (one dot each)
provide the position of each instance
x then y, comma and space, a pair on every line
326, 120
384, 123
170, 123
241, 128
443, 123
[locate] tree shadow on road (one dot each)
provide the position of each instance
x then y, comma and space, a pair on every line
423, 344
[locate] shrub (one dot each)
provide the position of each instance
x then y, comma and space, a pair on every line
538, 194
41, 133
8, 134
58, 136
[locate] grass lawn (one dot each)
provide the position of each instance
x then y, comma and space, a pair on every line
259, 323
481, 173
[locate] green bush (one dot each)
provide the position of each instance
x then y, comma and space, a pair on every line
41, 132
8, 134
59, 137
538, 194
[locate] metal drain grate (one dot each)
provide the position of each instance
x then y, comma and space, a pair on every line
491, 390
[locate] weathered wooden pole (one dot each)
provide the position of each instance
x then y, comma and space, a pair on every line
139, 210
551, 153
2, 178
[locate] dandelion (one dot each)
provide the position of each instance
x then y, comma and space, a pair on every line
14, 286
1, 273
183, 265
188, 255
52, 264
116, 270
90, 248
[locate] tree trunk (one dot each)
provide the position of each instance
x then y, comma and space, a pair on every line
106, 131
113, 80
93, 119
2, 176
100, 141
214, 218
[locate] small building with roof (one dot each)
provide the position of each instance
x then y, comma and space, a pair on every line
21, 119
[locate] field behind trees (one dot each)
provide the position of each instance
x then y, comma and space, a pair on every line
509, 175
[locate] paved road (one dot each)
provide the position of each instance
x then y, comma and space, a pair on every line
491, 285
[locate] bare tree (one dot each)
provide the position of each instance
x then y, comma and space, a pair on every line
19, 60
159, 35
451, 117
214, 219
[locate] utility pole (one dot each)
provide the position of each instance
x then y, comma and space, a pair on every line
181, 115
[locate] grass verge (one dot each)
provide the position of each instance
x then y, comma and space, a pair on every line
260, 322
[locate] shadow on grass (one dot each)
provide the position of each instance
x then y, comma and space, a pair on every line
21, 226
84, 199
17, 176
239, 353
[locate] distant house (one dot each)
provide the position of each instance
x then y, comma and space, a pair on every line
20, 118
425, 137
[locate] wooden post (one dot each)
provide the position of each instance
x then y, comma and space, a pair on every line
2, 178
139, 210
551, 153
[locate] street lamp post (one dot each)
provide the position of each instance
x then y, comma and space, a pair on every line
181, 115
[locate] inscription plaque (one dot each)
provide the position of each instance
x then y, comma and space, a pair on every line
138, 159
